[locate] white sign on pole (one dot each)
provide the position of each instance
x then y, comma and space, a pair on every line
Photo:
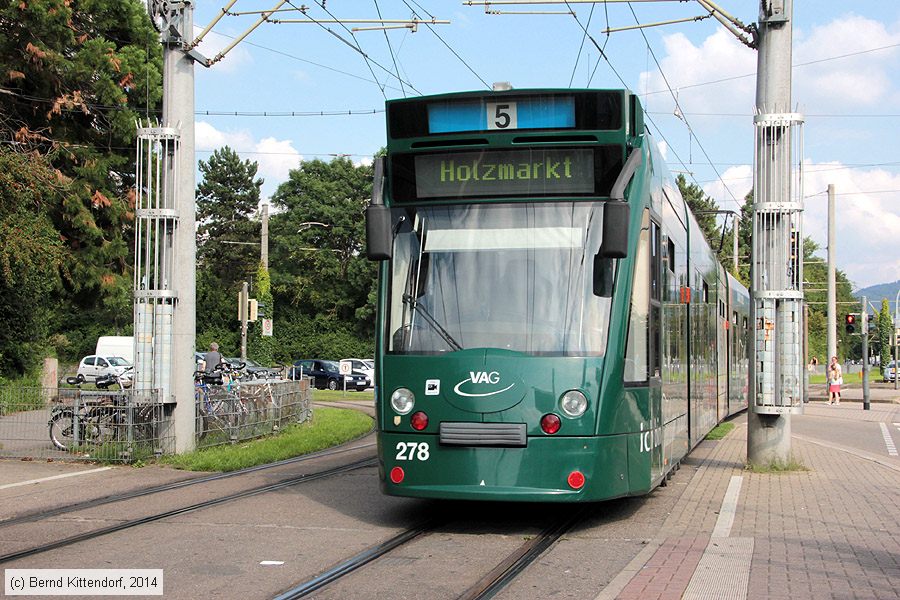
346, 367
267, 327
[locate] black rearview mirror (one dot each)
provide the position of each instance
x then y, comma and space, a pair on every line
615, 230
379, 242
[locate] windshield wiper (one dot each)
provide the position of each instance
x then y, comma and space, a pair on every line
445, 335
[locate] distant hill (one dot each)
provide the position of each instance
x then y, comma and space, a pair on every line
874, 293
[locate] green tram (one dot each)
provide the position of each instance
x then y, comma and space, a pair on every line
552, 325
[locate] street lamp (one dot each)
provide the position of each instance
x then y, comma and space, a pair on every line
307, 224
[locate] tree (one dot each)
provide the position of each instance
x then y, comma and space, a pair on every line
227, 201
321, 269
702, 206
884, 326
76, 77
31, 257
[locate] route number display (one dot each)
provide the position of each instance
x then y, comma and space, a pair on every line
502, 115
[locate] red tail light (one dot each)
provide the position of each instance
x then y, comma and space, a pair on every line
550, 423
419, 421
397, 475
576, 480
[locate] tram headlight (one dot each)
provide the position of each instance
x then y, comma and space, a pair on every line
402, 401
573, 403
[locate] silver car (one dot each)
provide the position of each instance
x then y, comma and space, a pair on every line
92, 367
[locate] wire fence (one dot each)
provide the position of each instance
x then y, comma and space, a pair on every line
243, 410
71, 423
128, 425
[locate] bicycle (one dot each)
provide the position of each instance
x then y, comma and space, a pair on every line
100, 418
218, 401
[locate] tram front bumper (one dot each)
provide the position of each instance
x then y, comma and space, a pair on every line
539, 472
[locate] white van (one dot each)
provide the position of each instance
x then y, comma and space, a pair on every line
116, 345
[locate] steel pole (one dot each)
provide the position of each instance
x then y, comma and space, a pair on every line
865, 352
831, 337
896, 339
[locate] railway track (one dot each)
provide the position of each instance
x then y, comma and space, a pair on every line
490, 584
261, 489
70, 508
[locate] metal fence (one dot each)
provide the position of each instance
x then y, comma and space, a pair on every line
242, 410
71, 423
128, 426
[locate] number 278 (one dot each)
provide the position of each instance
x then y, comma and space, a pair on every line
412, 451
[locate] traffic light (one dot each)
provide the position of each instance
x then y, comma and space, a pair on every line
850, 323
252, 309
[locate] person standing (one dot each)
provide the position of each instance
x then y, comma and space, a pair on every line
835, 380
213, 358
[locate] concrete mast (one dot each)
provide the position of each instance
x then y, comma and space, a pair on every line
777, 257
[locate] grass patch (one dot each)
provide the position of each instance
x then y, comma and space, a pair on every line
338, 395
777, 466
329, 427
720, 431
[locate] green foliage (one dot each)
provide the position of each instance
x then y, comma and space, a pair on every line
227, 235
260, 348
31, 257
77, 76
329, 427
884, 325
720, 431
322, 269
777, 467
704, 208
815, 273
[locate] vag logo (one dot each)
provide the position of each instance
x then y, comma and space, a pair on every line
481, 377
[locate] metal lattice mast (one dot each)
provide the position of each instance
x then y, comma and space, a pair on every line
776, 375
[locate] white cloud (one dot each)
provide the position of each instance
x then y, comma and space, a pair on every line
720, 56
867, 219
739, 180
274, 157
861, 80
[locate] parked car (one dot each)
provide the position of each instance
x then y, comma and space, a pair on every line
327, 374
254, 369
364, 367
888, 372
93, 366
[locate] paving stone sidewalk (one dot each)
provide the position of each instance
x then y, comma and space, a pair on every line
828, 532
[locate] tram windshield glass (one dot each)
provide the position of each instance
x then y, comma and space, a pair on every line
510, 276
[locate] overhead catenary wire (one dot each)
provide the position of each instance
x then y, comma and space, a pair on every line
604, 56
454, 52
391, 50
678, 108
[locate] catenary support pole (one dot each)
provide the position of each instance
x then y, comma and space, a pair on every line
776, 274
896, 339
178, 111
264, 242
831, 337
242, 306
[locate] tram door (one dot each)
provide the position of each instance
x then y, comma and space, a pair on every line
655, 350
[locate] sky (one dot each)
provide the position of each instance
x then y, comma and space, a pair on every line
291, 92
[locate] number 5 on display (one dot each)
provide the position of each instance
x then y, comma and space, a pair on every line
502, 115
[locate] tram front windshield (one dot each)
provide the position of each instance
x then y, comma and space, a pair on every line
510, 276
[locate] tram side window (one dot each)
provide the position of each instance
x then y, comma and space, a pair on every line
636, 349
671, 257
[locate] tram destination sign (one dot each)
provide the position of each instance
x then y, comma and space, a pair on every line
526, 172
